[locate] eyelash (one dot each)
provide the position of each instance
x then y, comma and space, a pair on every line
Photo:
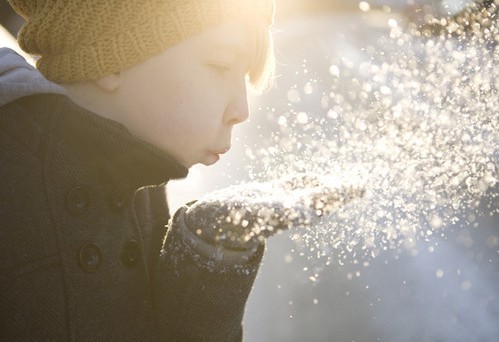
221, 68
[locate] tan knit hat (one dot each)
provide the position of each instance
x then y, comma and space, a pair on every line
80, 40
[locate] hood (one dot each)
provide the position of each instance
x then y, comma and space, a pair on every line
18, 78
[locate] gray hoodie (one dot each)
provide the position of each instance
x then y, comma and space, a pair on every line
19, 79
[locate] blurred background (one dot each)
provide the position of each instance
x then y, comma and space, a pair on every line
449, 293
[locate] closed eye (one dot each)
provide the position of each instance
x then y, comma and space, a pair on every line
221, 68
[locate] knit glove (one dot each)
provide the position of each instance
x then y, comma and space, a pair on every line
240, 218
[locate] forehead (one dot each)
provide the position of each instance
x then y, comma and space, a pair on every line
230, 36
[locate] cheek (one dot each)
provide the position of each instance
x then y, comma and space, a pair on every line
179, 111
197, 105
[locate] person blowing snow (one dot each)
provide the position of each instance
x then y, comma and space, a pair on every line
126, 96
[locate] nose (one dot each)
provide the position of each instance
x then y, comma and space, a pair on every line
237, 111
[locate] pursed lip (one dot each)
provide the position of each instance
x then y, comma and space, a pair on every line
220, 151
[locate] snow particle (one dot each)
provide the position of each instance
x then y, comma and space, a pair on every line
364, 6
440, 273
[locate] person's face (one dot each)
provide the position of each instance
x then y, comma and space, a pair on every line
187, 99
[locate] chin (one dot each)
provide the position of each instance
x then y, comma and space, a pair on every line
210, 159
185, 163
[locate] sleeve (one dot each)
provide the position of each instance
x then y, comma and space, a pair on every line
198, 298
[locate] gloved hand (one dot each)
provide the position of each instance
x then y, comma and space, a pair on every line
241, 217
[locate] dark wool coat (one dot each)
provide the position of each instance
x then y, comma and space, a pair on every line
81, 256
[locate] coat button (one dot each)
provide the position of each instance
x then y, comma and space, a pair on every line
131, 252
77, 201
117, 201
90, 257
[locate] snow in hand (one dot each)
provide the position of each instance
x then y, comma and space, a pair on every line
261, 209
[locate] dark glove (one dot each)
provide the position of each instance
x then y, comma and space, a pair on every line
242, 216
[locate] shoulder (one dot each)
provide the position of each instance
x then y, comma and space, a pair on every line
26, 121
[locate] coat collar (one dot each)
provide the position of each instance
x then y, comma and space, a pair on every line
108, 148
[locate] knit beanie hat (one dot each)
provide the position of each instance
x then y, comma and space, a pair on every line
80, 40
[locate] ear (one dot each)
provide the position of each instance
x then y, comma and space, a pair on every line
109, 83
